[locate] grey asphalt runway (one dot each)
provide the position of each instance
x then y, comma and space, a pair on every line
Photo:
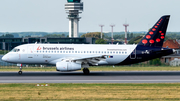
93, 77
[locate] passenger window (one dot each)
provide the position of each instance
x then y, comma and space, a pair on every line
69, 51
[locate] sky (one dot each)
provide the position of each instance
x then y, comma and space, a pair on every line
50, 15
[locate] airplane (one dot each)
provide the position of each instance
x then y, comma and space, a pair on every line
72, 57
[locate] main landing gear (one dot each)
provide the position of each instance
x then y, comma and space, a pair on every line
86, 71
20, 72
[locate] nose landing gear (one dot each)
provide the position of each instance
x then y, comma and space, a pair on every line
20, 67
20, 72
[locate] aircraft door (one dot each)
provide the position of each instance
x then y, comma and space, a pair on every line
133, 54
30, 52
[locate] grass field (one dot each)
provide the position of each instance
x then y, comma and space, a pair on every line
90, 92
99, 68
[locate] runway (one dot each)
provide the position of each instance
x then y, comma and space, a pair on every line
93, 77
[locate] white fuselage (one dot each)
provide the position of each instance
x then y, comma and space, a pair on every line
53, 53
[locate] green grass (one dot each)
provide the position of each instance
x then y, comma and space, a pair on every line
91, 92
98, 68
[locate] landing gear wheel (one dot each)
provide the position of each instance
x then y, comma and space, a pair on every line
86, 71
20, 72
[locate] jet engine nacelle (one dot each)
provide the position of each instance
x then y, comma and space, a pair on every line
67, 66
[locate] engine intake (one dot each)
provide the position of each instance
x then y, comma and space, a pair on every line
67, 66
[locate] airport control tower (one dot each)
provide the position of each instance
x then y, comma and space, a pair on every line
73, 8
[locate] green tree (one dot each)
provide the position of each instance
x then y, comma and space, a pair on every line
100, 41
131, 36
63, 35
156, 62
135, 40
8, 36
54, 35
96, 35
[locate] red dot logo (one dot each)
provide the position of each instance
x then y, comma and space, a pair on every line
162, 33
148, 36
162, 37
144, 41
158, 40
151, 41
151, 33
153, 29
156, 26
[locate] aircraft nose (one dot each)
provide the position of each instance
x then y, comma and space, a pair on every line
4, 58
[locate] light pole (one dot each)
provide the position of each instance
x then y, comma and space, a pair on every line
112, 26
101, 29
125, 25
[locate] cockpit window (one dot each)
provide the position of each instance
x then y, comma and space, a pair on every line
15, 50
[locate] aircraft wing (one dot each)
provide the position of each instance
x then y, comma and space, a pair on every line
93, 60
90, 59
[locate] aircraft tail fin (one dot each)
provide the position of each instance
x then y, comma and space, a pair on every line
156, 35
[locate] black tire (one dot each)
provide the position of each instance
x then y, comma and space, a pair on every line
20, 72
86, 71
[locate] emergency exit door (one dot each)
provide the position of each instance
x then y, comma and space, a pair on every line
133, 54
